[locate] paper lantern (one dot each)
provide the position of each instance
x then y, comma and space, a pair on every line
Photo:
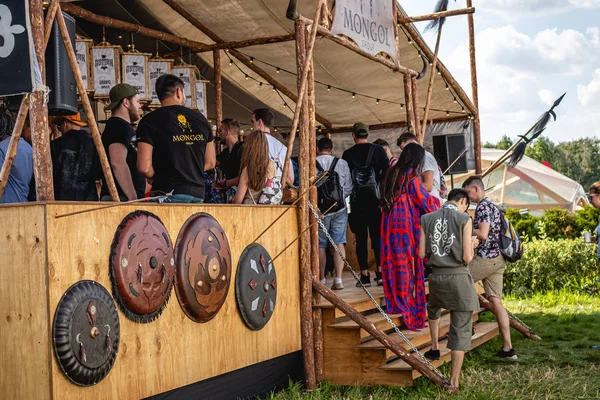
83, 51
106, 67
157, 67
135, 73
201, 97
187, 73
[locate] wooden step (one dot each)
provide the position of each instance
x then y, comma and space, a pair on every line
418, 338
376, 319
484, 331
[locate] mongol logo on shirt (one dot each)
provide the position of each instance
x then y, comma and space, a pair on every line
188, 136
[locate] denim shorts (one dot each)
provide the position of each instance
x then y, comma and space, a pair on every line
336, 226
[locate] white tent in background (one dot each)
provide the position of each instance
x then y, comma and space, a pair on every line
530, 185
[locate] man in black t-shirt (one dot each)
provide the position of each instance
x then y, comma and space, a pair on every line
365, 217
230, 159
175, 145
120, 143
75, 162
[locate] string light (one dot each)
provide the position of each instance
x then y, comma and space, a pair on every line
259, 84
284, 105
230, 61
247, 77
377, 101
447, 113
402, 106
447, 87
274, 88
438, 71
276, 130
455, 101
251, 60
329, 88
353, 95
278, 70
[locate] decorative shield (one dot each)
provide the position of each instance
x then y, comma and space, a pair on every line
86, 333
142, 266
203, 267
256, 286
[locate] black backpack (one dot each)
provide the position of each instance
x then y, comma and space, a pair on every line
329, 189
365, 189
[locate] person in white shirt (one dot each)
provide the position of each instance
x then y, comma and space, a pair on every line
335, 222
430, 176
262, 120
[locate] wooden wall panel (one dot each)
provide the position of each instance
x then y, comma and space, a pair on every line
173, 351
24, 335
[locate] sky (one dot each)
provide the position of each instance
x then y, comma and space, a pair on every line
529, 52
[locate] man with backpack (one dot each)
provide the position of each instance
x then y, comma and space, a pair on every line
488, 263
368, 164
334, 188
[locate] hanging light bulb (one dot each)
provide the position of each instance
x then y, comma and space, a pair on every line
251, 60
276, 130
246, 77
259, 84
353, 95
284, 105
274, 88
329, 88
230, 61
402, 106
455, 101
463, 109
438, 71
278, 70
447, 113
447, 87
377, 101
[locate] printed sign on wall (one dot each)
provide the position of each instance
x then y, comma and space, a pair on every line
16, 59
134, 73
157, 68
201, 97
370, 23
187, 76
105, 70
82, 55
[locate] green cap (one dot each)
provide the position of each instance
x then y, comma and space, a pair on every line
118, 93
360, 130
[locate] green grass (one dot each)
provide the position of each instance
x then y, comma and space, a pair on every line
561, 366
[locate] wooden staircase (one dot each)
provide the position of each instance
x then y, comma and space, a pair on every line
352, 356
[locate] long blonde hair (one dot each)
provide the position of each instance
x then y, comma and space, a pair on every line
255, 158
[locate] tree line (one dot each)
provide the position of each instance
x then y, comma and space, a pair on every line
578, 159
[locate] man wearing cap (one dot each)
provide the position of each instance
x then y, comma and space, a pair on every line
175, 145
120, 143
365, 216
75, 162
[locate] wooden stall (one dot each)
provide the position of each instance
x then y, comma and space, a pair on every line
43, 256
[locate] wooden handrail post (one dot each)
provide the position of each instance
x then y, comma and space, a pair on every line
218, 87
110, 182
11, 152
475, 91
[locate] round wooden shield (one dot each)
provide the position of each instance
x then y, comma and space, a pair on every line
142, 266
256, 286
203, 268
86, 333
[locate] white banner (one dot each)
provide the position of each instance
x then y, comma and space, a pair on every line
105, 69
370, 23
134, 67
82, 55
201, 97
156, 69
185, 74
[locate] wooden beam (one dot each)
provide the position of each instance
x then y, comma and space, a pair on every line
242, 58
305, 58
249, 42
415, 104
475, 92
306, 316
437, 15
354, 47
218, 87
432, 75
40, 138
384, 339
418, 39
11, 151
110, 182
410, 112
50, 15
529, 334
108, 22
394, 125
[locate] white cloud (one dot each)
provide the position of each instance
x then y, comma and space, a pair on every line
547, 96
514, 8
589, 95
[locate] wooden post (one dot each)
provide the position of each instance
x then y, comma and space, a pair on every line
306, 317
431, 79
218, 87
51, 13
437, 15
384, 339
314, 232
408, 98
110, 182
415, 100
303, 77
528, 333
11, 152
40, 138
475, 91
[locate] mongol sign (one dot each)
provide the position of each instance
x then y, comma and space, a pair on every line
370, 23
